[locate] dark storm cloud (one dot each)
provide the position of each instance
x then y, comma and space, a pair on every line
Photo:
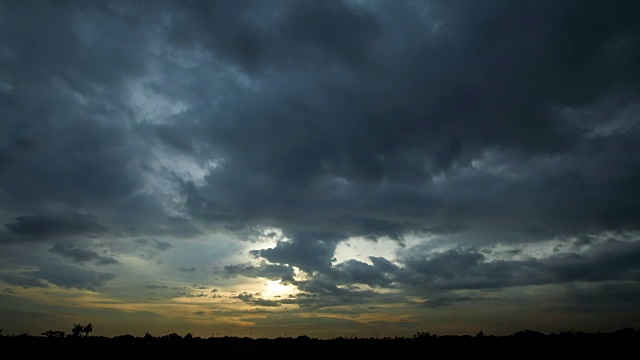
70, 276
64, 65
619, 294
308, 251
37, 227
159, 245
173, 138
69, 141
382, 273
352, 149
254, 34
446, 302
82, 255
611, 261
562, 53
23, 280
466, 268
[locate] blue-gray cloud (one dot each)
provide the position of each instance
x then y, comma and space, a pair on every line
45, 226
81, 255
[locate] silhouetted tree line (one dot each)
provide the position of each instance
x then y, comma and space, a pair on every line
526, 344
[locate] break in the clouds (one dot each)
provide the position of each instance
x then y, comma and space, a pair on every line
368, 161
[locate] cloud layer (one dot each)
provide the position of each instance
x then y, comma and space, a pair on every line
487, 148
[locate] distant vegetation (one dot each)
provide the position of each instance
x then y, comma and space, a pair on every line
526, 344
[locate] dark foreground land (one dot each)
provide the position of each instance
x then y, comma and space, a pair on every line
622, 344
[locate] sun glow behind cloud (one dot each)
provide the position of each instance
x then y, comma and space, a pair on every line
275, 289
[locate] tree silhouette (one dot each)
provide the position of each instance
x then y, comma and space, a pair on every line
87, 329
423, 335
527, 344
53, 334
79, 329
76, 330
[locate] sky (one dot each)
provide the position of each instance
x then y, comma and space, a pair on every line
328, 168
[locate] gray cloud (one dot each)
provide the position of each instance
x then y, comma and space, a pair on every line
70, 276
462, 268
256, 300
44, 226
159, 245
256, 35
425, 272
265, 270
613, 261
82, 255
618, 293
23, 280
447, 302
309, 251
382, 273
320, 294
332, 159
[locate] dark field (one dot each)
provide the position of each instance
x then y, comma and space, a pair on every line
622, 344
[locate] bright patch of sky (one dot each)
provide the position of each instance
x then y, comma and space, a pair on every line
360, 249
151, 106
275, 289
265, 238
